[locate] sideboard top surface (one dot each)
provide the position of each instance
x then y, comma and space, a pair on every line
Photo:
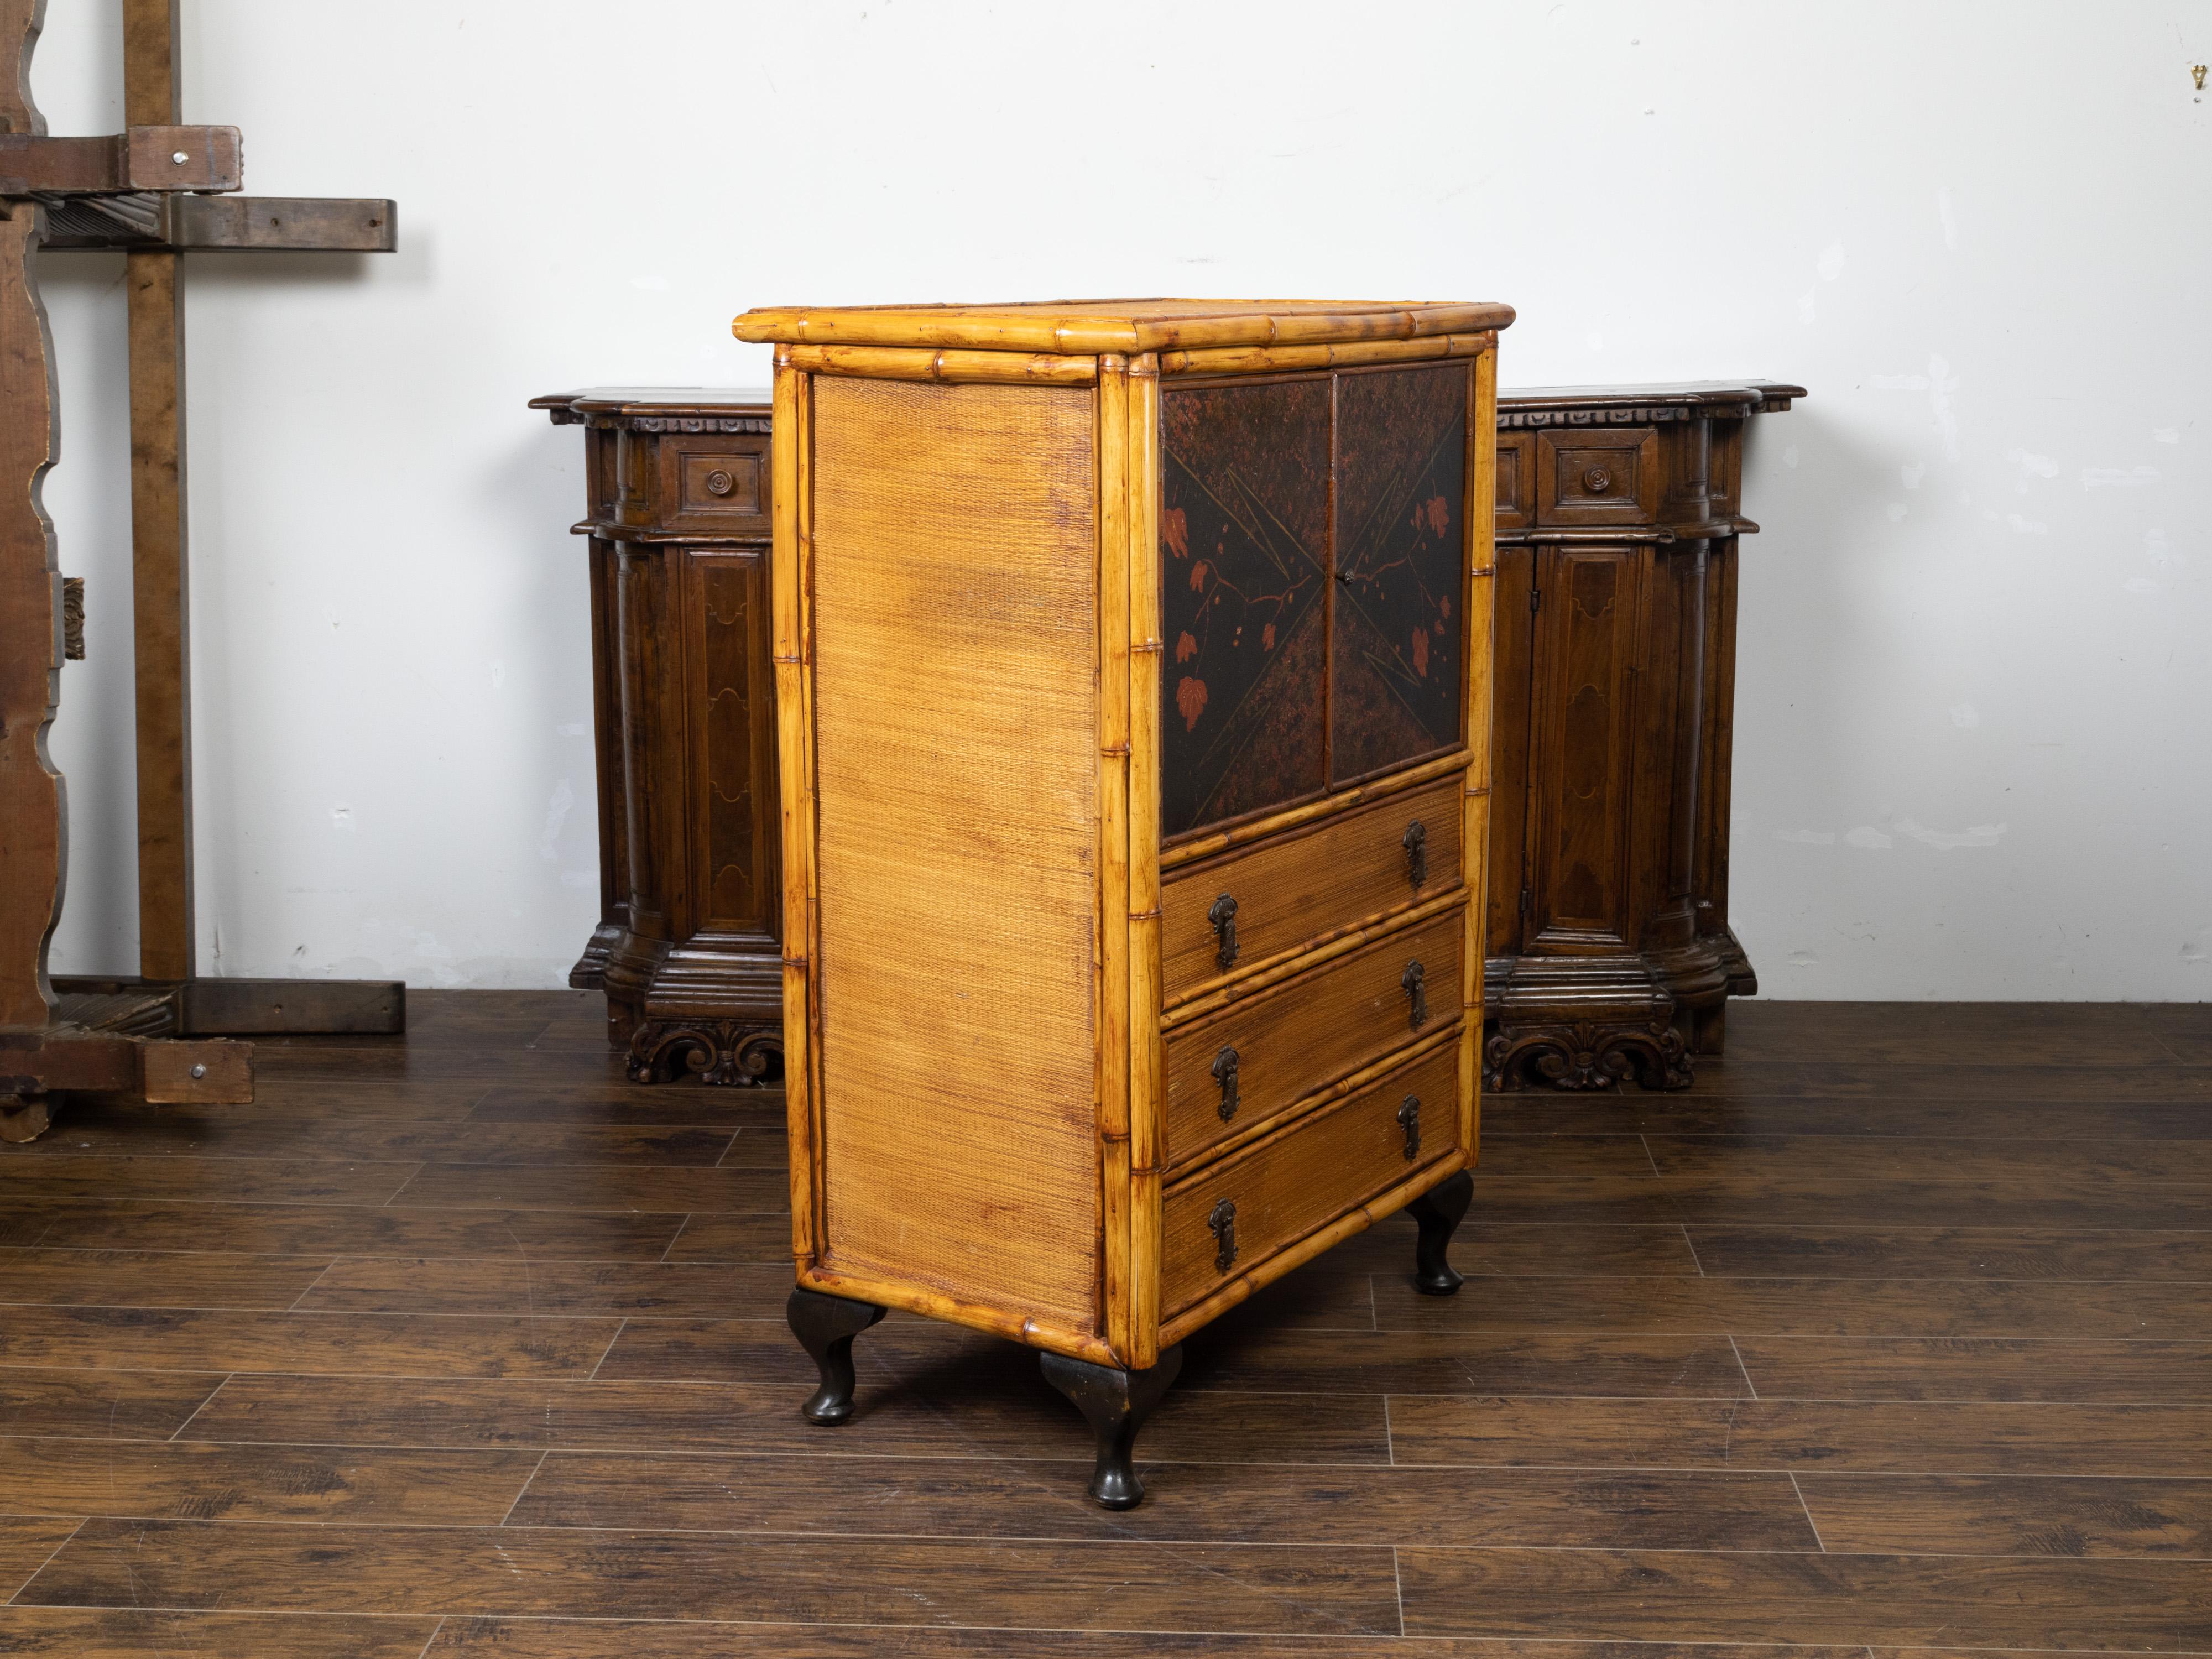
1722, 397
1083, 326
569, 408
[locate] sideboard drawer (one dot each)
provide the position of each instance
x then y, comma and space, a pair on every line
1597, 475
1235, 1213
1280, 895
1240, 1067
717, 483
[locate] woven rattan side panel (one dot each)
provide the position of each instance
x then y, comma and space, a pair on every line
957, 737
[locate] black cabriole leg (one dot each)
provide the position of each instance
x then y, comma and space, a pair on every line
1117, 1402
825, 1326
1439, 1211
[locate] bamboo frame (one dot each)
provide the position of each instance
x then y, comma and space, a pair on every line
1088, 327
1481, 606
946, 367
1217, 993
1111, 914
1277, 358
1312, 811
1060, 346
1147, 1072
790, 583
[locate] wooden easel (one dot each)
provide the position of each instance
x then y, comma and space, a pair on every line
150, 191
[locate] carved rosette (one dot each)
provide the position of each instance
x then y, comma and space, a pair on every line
726, 1052
1586, 1054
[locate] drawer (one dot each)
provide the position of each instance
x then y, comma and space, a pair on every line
716, 483
1231, 1216
1283, 893
1240, 1067
1598, 475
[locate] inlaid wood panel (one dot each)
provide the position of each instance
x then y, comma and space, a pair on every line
956, 833
1395, 667
1585, 671
1244, 483
732, 742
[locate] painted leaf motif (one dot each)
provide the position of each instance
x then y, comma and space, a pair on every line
1190, 701
1267, 637
1176, 529
1421, 651
1197, 576
1186, 648
1439, 514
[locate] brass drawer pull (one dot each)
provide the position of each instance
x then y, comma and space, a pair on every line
1223, 916
1222, 1222
1414, 983
1224, 1073
1416, 844
1409, 1120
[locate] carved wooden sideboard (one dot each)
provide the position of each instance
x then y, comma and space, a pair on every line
1609, 950
688, 948
1608, 947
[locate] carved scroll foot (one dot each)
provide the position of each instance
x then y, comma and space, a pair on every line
1586, 1056
24, 1117
1117, 1403
727, 1053
1439, 1211
825, 1326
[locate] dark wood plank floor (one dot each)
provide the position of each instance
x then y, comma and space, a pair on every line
1893, 1334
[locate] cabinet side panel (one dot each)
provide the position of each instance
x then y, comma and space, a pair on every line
955, 640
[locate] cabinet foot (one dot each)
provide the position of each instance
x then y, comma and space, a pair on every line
1439, 1211
24, 1117
1117, 1403
825, 1326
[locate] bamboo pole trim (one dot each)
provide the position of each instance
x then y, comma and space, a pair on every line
944, 367
1413, 347
998, 1322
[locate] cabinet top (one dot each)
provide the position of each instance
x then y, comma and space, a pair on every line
1082, 327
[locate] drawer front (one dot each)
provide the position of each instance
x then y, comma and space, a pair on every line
1603, 475
1234, 1215
1294, 887
717, 485
1238, 1067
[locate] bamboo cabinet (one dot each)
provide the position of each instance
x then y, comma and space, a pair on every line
1132, 687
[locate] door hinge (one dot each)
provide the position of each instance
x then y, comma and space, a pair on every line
1535, 600
1525, 901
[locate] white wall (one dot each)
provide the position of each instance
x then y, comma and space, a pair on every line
1973, 686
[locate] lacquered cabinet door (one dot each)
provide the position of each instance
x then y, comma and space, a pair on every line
1244, 560
1398, 660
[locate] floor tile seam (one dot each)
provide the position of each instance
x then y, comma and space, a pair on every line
1335, 1546
48, 1562
431, 1640
609, 1349
310, 1291
523, 1491
1807, 1510
203, 1406
274, 1310
1826, 1470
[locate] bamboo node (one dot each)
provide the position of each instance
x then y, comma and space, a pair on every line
1153, 915
794, 961
1149, 648
1115, 748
